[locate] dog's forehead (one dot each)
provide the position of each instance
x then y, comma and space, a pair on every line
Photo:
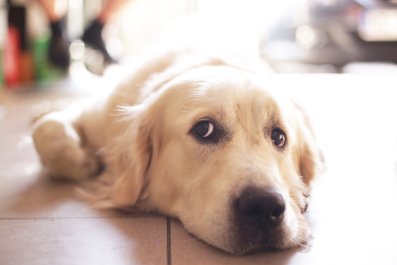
225, 94
227, 90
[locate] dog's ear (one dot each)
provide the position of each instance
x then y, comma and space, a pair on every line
309, 159
131, 155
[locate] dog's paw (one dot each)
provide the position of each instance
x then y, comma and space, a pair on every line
61, 150
91, 166
75, 164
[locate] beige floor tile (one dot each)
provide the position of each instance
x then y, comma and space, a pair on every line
25, 193
17, 148
115, 241
16, 144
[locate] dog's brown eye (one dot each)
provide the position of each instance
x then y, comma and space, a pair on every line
278, 137
204, 129
207, 132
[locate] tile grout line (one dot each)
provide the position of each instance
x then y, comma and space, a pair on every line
169, 254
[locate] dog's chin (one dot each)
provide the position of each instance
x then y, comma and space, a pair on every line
248, 240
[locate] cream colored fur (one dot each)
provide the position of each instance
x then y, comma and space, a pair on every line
141, 134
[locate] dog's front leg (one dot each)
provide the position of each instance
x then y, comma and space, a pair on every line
60, 145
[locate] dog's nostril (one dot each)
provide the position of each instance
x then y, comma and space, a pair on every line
278, 211
260, 206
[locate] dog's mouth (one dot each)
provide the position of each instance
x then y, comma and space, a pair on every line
256, 238
260, 237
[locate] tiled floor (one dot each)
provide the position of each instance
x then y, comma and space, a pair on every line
353, 213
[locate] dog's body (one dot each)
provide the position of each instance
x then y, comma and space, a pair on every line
197, 137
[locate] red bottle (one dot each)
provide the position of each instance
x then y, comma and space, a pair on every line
11, 58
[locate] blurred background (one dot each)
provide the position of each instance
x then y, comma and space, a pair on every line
293, 36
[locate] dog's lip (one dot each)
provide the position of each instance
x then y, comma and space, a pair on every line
255, 248
306, 196
263, 241
305, 207
278, 245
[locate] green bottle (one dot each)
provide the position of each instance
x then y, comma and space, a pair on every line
44, 71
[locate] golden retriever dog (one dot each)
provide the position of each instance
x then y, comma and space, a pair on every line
196, 136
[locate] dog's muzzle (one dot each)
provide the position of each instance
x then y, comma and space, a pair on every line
258, 215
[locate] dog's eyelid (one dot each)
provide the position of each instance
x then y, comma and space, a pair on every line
277, 135
279, 138
214, 131
204, 128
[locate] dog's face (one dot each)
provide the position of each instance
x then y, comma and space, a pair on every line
228, 158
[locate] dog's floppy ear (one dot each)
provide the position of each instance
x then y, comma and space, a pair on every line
309, 158
131, 156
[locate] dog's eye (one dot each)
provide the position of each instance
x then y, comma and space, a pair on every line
206, 131
278, 137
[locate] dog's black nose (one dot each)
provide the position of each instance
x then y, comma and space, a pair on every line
260, 207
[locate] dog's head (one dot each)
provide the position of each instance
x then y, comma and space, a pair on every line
226, 156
